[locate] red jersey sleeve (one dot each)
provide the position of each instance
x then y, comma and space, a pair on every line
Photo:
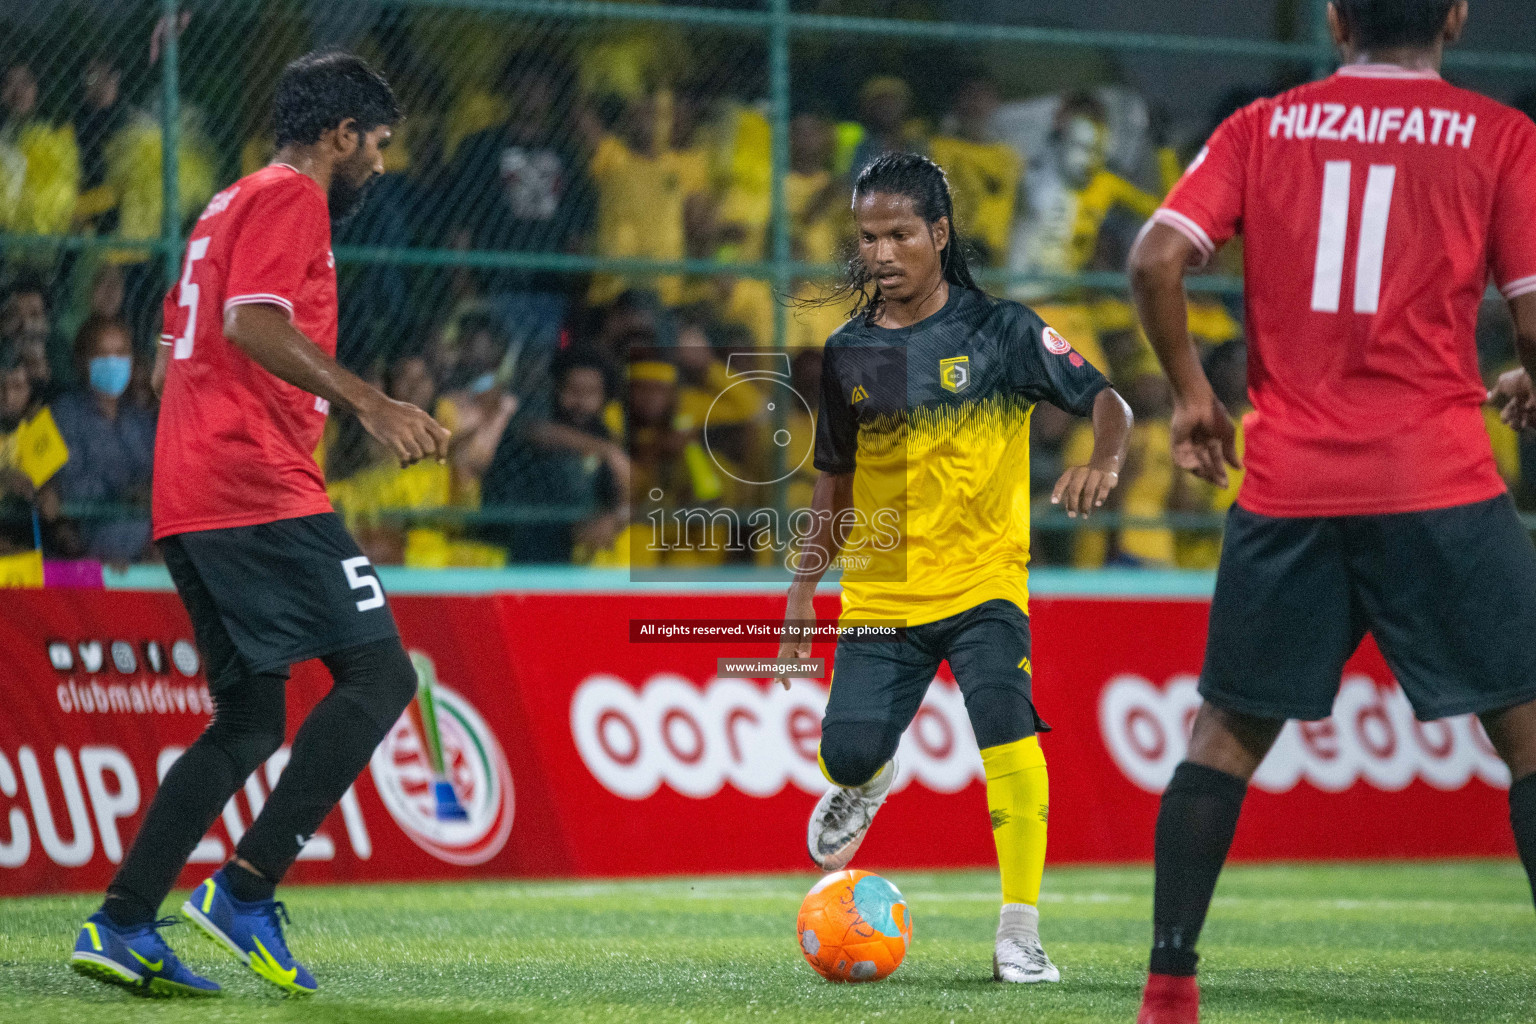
282, 232
1206, 206
1512, 237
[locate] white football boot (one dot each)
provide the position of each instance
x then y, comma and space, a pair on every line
842, 816
1018, 956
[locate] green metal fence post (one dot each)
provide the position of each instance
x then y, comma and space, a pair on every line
170, 143
778, 87
1322, 36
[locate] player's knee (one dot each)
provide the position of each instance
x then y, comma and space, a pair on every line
377, 676
248, 720
255, 748
247, 746
398, 682
852, 753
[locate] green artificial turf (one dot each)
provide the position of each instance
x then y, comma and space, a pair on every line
1380, 942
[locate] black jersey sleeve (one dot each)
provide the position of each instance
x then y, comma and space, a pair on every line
1045, 368
837, 423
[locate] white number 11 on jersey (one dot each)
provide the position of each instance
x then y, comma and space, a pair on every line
1333, 227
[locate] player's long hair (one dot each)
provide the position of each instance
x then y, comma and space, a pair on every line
923, 182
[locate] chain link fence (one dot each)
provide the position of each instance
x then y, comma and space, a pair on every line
577, 180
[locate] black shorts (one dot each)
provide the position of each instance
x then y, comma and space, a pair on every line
884, 681
1449, 594
275, 594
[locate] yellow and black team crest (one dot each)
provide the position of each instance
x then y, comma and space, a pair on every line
859, 395
955, 374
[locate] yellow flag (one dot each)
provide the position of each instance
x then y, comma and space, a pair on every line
22, 570
40, 448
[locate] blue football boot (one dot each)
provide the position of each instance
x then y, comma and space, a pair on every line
253, 932
136, 958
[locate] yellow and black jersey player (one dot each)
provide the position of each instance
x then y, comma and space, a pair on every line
922, 444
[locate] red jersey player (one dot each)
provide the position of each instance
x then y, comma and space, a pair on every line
268, 574
1375, 206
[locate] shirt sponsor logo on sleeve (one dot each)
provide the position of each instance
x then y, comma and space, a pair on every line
219, 203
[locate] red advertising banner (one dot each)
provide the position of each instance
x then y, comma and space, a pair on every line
575, 750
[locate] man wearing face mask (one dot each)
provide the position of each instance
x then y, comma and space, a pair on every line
111, 443
1072, 193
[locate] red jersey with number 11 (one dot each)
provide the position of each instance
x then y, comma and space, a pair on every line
235, 445
1375, 206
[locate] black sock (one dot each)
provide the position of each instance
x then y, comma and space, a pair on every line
1522, 817
374, 683
246, 885
1194, 832
127, 910
247, 727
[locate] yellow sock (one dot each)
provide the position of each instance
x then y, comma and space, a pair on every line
1018, 795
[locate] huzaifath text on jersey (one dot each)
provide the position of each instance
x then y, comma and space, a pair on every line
1339, 122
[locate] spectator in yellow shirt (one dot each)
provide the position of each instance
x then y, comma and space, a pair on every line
566, 474
647, 192
103, 113
1146, 485
983, 172
673, 475
367, 496
821, 225
135, 180
25, 485
39, 161
817, 201
1073, 192
885, 103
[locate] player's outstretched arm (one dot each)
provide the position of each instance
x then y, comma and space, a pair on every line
1082, 489
265, 334
1513, 393
831, 498
1204, 440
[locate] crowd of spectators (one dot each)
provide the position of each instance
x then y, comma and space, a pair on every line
586, 404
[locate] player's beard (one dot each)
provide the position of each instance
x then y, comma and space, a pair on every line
346, 196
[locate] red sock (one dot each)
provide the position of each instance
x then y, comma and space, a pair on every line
1170, 999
